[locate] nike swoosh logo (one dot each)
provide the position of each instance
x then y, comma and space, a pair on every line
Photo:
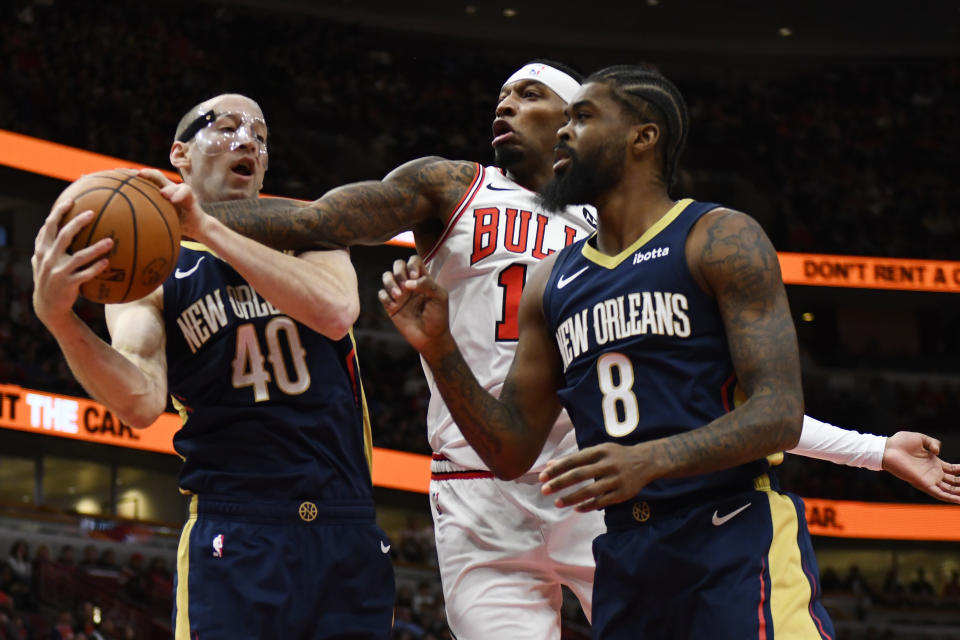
589, 217
718, 521
183, 274
493, 188
384, 547
564, 281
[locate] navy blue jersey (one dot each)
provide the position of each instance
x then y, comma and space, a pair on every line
644, 350
272, 408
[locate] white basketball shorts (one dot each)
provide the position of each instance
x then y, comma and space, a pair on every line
504, 550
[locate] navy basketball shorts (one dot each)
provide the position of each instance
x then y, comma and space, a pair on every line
299, 571
734, 567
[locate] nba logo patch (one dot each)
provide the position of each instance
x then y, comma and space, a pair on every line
218, 546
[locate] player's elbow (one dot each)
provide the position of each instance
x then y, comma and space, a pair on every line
508, 473
140, 415
141, 421
791, 424
336, 320
510, 468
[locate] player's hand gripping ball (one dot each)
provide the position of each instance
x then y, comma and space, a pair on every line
143, 224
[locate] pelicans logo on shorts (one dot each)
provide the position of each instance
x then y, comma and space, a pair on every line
641, 511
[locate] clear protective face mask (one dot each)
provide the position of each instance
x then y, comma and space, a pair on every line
217, 133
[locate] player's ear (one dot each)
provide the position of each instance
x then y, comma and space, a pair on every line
179, 157
644, 137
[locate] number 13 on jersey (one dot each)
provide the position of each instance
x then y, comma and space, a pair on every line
511, 280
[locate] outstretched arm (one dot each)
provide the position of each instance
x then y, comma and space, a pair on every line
317, 288
732, 259
824, 441
420, 192
912, 457
508, 433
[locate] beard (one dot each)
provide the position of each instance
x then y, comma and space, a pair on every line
506, 157
585, 179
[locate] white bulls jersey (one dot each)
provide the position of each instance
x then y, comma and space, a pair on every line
483, 258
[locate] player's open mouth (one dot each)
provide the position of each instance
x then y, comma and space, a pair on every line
243, 168
561, 160
502, 133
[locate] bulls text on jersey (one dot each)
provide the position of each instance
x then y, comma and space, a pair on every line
522, 229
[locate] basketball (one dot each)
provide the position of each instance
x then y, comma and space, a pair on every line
144, 227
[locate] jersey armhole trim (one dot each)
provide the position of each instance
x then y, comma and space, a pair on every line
197, 246
462, 206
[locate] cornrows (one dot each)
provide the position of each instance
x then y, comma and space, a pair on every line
648, 94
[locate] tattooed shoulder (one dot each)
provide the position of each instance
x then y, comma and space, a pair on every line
729, 248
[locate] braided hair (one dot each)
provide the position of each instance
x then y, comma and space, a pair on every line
645, 93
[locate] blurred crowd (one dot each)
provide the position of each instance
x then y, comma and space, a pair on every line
28, 354
890, 604
419, 613
848, 156
92, 597
851, 157
896, 590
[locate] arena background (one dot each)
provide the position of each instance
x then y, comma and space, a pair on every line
835, 126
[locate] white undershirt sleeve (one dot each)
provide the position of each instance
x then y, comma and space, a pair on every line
842, 446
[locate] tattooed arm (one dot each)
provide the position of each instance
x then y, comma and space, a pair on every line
508, 433
732, 259
417, 195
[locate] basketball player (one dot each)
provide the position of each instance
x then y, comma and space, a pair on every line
668, 339
481, 229
254, 345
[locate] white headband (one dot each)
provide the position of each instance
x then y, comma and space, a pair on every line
559, 82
